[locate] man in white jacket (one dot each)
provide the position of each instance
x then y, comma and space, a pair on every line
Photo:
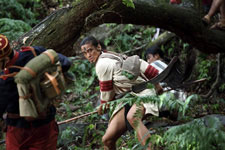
112, 82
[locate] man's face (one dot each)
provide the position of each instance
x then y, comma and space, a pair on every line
151, 58
91, 53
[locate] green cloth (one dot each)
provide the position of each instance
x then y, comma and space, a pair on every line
38, 65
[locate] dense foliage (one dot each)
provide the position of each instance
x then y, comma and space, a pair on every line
13, 28
196, 135
14, 10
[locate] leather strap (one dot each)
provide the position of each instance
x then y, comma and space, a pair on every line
25, 97
19, 67
54, 82
8, 75
33, 51
25, 68
50, 56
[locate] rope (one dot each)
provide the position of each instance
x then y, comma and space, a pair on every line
75, 118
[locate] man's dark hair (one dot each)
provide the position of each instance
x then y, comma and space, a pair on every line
93, 41
154, 50
89, 39
102, 45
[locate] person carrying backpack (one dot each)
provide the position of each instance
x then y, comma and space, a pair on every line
113, 82
22, 134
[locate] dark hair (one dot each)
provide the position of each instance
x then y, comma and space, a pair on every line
89, 39
155, 49
102, 45
93, 41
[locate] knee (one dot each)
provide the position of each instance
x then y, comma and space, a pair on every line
107, 141
131, 119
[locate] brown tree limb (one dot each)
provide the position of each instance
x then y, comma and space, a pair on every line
62, 30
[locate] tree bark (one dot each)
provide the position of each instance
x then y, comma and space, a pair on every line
61, 29
163, 38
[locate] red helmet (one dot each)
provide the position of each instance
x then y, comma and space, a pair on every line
5, 49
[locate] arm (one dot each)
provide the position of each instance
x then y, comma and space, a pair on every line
104, 71
65, 62
148, 70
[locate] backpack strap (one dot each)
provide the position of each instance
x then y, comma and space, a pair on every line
29, 48
123, 56
51, 77
54, 82
111, 56
50, 56
33, 51
14, 73
25, 68
8, 75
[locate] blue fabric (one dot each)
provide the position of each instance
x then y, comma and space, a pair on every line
9, 98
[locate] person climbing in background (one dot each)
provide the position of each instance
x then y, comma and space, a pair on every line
155, 56
113, 82
22, 134
217, 5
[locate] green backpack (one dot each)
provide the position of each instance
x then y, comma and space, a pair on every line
39, 82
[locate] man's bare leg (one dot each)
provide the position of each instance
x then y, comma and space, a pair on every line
141, 129
222, 10
221, 23
214, 7
115, 129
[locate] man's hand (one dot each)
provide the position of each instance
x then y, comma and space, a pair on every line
103, 108
159, 89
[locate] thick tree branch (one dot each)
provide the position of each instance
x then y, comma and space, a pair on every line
184, 22
61, 32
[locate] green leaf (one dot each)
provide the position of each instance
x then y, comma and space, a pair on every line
186, 104
150, 86
128, 75
129, 3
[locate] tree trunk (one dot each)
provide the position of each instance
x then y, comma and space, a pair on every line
61, 29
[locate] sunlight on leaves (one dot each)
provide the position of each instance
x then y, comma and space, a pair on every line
129, 3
